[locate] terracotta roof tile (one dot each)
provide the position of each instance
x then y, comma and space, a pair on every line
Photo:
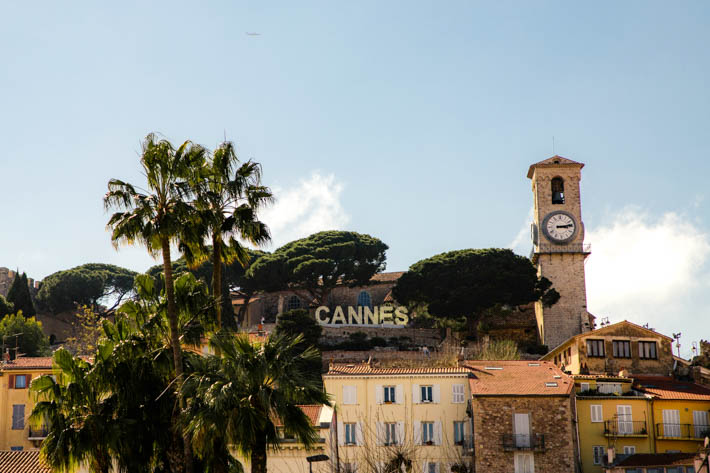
28, 363
25, 461
665, 387
657, 459
387, 277
364, 368
518, 378
312, 411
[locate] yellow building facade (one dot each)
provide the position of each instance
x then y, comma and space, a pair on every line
16, 402
416, 415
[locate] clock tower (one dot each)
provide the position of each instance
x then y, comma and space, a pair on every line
559, 251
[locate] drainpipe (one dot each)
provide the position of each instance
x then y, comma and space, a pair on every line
653, 426
576, 428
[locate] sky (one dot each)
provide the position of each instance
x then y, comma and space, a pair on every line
411, 121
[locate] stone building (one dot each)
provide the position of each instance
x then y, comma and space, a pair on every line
611, 349
522, 417
7, 276
559, 250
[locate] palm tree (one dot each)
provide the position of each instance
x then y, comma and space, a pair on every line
228, 197
157, 216
76, 412
240, 396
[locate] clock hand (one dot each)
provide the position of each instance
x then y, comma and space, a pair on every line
564, 226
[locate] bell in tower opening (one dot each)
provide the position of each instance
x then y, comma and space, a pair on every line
558, 190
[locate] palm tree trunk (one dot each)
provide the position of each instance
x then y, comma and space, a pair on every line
175, 342
217, 278
258, 454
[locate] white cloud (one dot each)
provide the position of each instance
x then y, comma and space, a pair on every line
521, 243
312, 205
650, 270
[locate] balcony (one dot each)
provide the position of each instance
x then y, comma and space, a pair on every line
466, 444
625, 428
37, 434
532, 442
682, 431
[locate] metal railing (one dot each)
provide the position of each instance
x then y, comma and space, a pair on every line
37, 433
682, 431
466, 444
534, 442
620, 428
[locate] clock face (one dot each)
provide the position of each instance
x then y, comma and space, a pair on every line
559, 227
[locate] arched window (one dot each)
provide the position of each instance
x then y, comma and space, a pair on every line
293, 303
364, 299
558, 191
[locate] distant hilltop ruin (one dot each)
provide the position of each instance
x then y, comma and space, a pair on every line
6, 278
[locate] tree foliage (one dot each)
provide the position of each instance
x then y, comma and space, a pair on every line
299, 322
316, 264
25, 333
243, 395
20, 297
91, 284
6, 307
464, 283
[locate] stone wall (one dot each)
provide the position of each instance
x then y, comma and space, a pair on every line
550, 416
7, 276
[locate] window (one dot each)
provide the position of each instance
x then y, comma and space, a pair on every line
20, 381
558, 190
349, 468
293, 303
427, 395
458, 395
597, 413
18, 416
598, 454
583, 387
427, 433
458, 432
647, 350
609, 388
391, 433
431, 467
521, 424
629, 449
350, 434
621, 348
349, 394
364, 299
524, 463
671, 422
389, 394
624, 416
595, 348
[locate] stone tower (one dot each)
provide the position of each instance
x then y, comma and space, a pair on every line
558, 247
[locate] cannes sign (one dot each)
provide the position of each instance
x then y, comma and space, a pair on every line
382, 315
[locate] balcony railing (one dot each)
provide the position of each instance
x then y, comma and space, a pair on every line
37, 434
534, 442
625, 428
682, 431
466, 444
545, 248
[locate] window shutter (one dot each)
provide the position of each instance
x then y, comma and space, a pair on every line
596, 412
436, 394
399, 394
11, 381
417, 433
349, 395
341, 433
400, 433
379, 393
437, 433
381, 437
416, 394
358, 434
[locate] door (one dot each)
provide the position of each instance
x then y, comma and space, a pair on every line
524, 463
625, 425
522, 430
671, 423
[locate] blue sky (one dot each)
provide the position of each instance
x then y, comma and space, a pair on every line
411, 121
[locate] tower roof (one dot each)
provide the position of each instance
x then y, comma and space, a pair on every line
553, 161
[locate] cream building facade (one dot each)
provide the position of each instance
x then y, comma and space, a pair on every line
415, 415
